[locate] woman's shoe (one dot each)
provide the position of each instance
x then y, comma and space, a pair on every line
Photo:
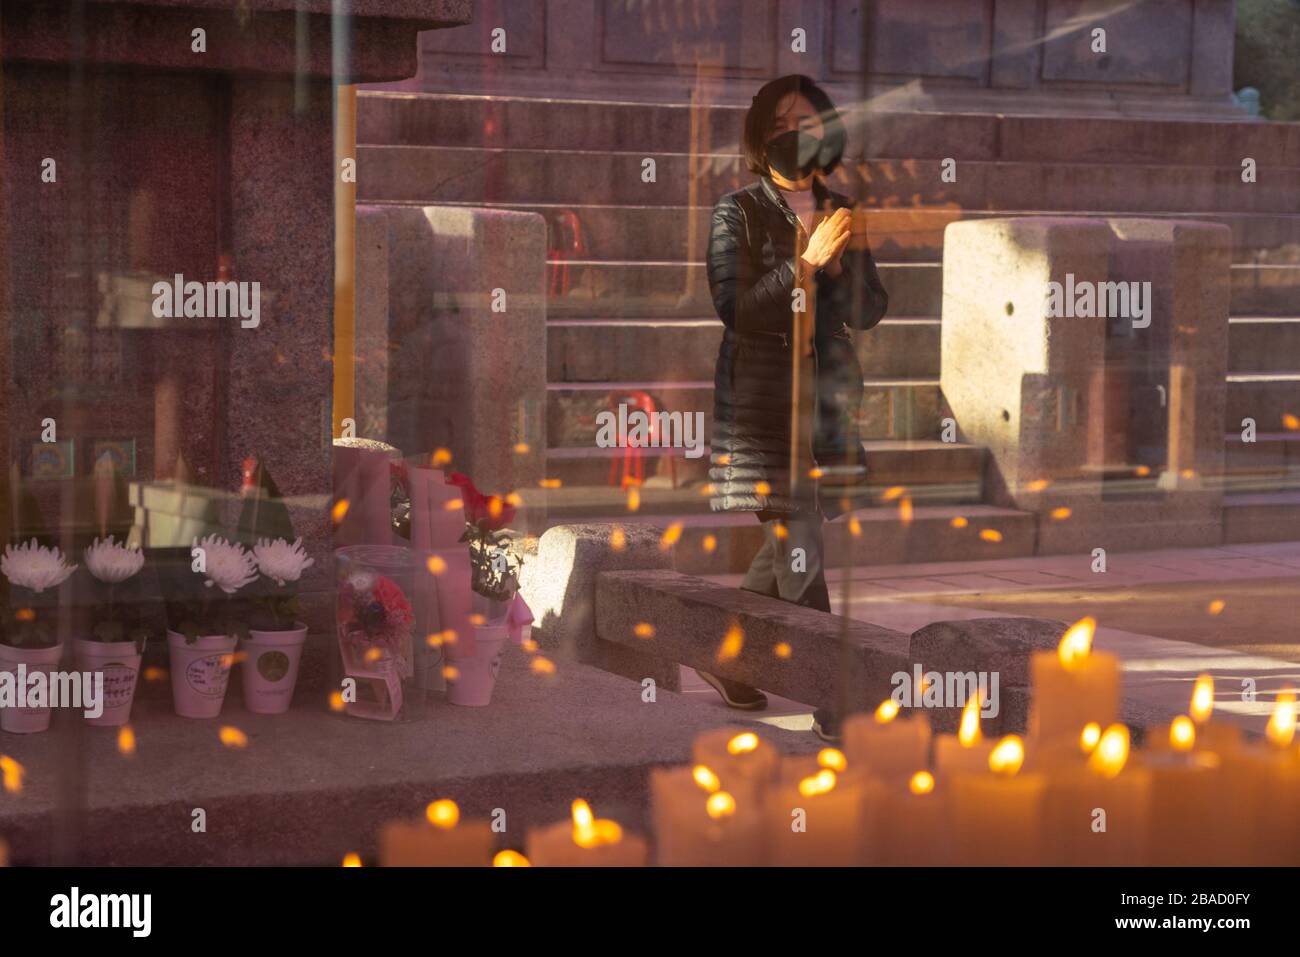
736, 695
826, 727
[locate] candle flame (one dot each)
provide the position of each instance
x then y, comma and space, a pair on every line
510, 859
720, 804
588, 831
1182, 733
819, 783
1076, 643
1202, 699
922, 782
1007, 756
444, 814
1089, 737
887, 711
832, 758
705, 778
126, 741
743, 743
969, 732
232, 737
1281, 723
1111, 754
352, 859
11, 773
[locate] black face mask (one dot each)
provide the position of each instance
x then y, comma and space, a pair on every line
794, 154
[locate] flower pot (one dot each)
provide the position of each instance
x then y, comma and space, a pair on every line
200, 673
119, 662
271, 668
476, 674
27, 720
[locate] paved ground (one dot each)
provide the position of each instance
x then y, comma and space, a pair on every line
1154, 609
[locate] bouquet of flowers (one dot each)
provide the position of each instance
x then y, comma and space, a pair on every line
375, 615
494, 564
29, 570
226, 567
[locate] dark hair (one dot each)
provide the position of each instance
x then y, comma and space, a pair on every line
762, 116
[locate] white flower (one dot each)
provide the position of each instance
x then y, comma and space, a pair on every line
281, 561
227, 566
112, 562
35, 566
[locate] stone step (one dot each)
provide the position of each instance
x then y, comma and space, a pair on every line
897, 234
443, 173
532, 123
1271, 399
1264, 344
891, 408
938, 471
585, 350
725, 543
1262, 517
1269, 464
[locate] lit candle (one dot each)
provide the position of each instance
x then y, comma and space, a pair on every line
914, 828
697, 824
1190, 824
586, 841
820, 813
1263, 784
441, 840
1097, 814
1219, 737
965, 751
1072, 687
884, 745
743, 761
997, 817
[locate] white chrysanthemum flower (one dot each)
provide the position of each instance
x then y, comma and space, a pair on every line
228, 566
112, 562
280, 561
34, 566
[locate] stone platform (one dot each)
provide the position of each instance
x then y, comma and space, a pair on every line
311, 786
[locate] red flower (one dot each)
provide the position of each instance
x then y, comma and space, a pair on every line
397, 609
489, 512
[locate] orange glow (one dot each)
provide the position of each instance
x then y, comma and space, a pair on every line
780, 531
25, 614
444, 814
510, 859
672, 535
1281, 723
477, 619
154, 673
969, 732
832, 758
720, 804
782, 649
617, 539
1290, 422
990, 535
633, 498
893, 492
1037, 485
588, 831
762, 488
959, 522
515, 499
905, 511
529, 645
1202, 699
339, 510
450, 673
453, 504
351, 859
521, 448
1061, 514
543, 666
887, 711
550, 483
922, 782
743, 743
1111, 754
336, 701
732, 642
1182, 733
855, 527
819, 783
1142, 471
815, 472
372, 655
709, 544
440, 458
232, 737
1007, 756
126, 741
1089, 737
704, 778
1076, 643
1216, 607
436, 564
11, 773
643, 629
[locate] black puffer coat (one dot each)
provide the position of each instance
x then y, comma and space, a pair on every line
751, 267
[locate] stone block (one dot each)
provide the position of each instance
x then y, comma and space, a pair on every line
986, 645
796, 652
559, 583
